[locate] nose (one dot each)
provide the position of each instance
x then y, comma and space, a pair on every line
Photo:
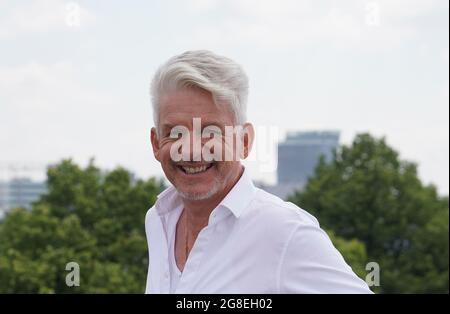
196, 148
191, 147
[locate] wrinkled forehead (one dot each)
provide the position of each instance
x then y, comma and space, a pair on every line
180, 107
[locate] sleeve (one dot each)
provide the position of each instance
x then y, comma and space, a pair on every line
311, 264
148, 286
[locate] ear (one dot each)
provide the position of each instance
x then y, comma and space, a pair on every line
155, 143
247, 138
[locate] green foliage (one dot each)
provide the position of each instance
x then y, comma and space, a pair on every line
372, 204
367, 193
354, 252
92, 218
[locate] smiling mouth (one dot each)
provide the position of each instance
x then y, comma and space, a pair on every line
195, 169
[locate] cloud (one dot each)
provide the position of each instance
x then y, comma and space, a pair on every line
370, 24
50, 111
43, 16
46, 110
42, 86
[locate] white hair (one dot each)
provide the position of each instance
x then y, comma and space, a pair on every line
222, 77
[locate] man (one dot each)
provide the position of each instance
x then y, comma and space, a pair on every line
213, 231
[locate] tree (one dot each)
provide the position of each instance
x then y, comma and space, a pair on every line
353, 251
92, 218
367, 193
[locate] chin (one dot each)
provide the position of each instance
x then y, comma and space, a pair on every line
199, 195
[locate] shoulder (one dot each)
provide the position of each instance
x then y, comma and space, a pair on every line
165, 200
308, 261
149, 217
270, 208
275, 220
150, 212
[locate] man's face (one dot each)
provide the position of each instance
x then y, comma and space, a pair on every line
197, 178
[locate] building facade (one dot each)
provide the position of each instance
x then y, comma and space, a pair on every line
299, 153
19, 192
298, 156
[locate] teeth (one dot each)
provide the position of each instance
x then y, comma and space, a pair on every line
192, 170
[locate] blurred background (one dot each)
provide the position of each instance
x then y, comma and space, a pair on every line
349, 100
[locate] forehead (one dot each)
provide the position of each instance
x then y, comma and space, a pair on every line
181, 106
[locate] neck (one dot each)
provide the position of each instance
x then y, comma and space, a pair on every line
198, 211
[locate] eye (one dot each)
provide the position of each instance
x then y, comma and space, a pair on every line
212, 130
177, 132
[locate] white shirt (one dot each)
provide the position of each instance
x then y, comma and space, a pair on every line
175, 273
254, 243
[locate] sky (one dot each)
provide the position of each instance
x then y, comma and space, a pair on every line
75, 75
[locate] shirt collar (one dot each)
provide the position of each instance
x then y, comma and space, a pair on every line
235, 201
240, 195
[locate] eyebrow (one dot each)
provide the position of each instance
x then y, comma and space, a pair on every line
167, 126
204, 124
214, 123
